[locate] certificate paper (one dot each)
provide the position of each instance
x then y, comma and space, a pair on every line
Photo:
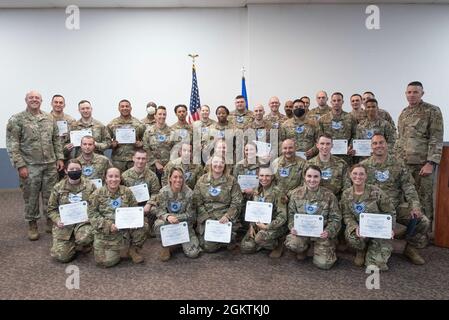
309, 225
362, 147
125, 135
340, 146
62, 128
140, 192
258, 211
172, 234
97, 182
248, 181
263, 148
374, 225
77, 135
128, 218
301, 154
218, 232
73, 213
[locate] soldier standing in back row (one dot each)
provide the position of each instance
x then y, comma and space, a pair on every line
35, 151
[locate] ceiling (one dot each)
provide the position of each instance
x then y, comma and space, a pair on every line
185, 3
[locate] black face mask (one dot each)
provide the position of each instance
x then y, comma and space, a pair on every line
74, 175
299, 112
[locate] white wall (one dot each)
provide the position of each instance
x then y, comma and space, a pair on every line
288, 50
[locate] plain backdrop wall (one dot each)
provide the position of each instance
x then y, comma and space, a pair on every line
288, 51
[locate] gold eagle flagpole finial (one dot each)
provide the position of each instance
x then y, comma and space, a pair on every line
193, 56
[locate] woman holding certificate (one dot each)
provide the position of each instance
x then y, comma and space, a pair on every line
67, 208
218, 199
362, 205
266, 235
175, 214
116, 220
313, 217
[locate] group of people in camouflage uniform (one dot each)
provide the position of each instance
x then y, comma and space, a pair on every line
192, 171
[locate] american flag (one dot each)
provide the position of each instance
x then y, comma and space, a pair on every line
194, 99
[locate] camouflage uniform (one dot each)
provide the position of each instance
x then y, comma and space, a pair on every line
373, 200
320, 202
360, 115
122, 155
218, 131
288, 174
395, 180
32, 141
261, 130
65, 139
96, 167
99, 132
158, 143
276, 120
180, 205
366, 130
334, 174
316, 113
192, 172
338, 127
215, 198
240, 120
107, 245
420, 139
182, 132
302, 132
267, 239
205, 130
131, 178
66, 239
148, 122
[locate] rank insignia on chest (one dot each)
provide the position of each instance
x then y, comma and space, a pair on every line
251, 172
214, 191
88, 170
187, 175
369, 133
359, 207
284, 172
260, 133
161, 138
182, 133
275, 125
326, 174
174, 206
311, 208
221, 134
299, 129
382, 176
115, 203
204, 130
337, 125
240, 119
75, 197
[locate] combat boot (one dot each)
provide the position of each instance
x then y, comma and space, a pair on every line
412, 254
301, 256
33, 233
277, 252
134, 254
164, 254
359, 258
49, 226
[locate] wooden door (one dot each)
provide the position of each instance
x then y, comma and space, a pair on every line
442, 202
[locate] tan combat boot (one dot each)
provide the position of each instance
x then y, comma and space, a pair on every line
49, 226
413, 255
33, 233
359, 258
135, 255
164, 255
277, 252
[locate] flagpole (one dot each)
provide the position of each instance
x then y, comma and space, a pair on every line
194, 95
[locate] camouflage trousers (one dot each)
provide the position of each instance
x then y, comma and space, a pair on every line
209, 246
64, 245
264, 239
419, 238
424, 187
107, 248
324, 252
122, 165
41, 179
378, 251
191, 249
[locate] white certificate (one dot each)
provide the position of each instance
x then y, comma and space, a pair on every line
301, 154
340, 146
128, 218
309, 225
362, 147
73, 213
247, 181
97, 182
172, 234
140, 192
263, 148
62, 127
375, 225
218, 232
125, 135
258, 211
77, 135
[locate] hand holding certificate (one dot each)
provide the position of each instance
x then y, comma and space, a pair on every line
340, 146
73, 213
129, 218
63, 129
77, 135
218, 232
374, 225
141, 192
125, 135
172, 234
362, 147
248, 181
309, 225
258, 211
